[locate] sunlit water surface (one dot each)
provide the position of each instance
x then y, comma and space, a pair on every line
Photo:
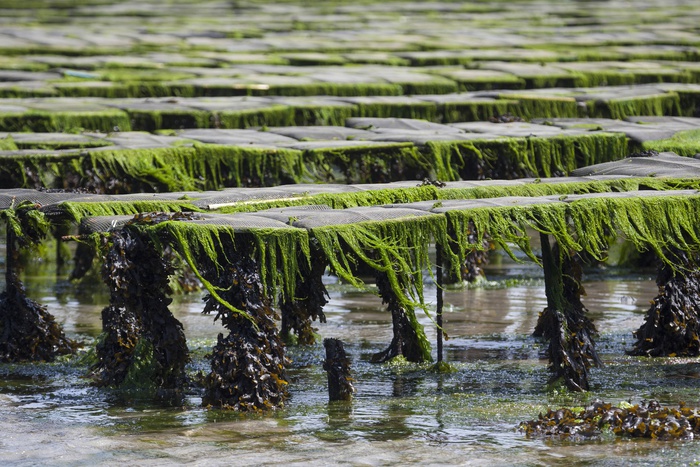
402, 414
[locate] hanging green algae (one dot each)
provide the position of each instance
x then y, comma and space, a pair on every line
160, 169
689, 101
239, 166
534, 106
277, 251
39, 121
435, 86
199, 167
565, 80
152, 120
107, 90
656, 105
367, 164
331, 115
8, 144
585, 225
453, 112
684, 143
306, 305
512, 158
278, 115
416, 110
396, 249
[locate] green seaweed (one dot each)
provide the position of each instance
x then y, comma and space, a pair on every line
44, 121
198, 167
656, 105
77, 210
277, 252
277, 115
534, 106
396, 249
152, 120
366, 164
585, 225
418, 110
684, 143
474, 111
8, 144
233, 166
334, 115
511, 158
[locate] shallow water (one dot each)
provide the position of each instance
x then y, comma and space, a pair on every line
402, 414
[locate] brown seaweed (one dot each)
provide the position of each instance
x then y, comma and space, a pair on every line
672, 323
137, 276
645, 420
247, 365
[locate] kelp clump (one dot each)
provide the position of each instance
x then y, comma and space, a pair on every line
645, 420
28, 332
143, 345
672, 323
248, 365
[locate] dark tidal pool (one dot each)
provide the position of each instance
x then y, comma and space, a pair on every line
402, 414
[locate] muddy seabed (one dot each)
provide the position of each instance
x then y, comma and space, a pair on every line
402, 414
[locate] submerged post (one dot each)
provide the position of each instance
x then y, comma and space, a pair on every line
28, 332
571, 348
337, 365
409, 339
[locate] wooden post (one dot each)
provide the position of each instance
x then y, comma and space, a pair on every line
337, 365
570, 333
